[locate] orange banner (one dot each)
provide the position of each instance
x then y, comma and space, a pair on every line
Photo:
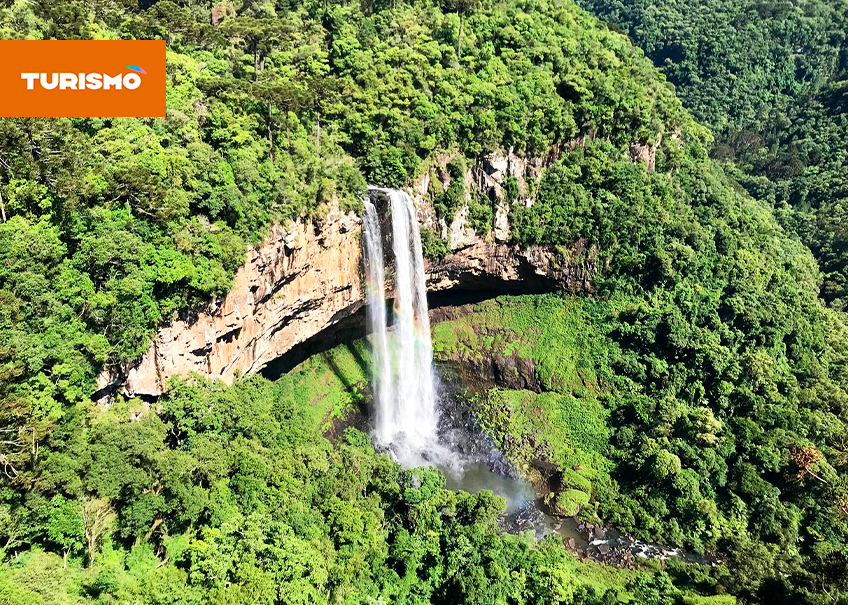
79, 78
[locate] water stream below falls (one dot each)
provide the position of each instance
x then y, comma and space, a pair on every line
407, 394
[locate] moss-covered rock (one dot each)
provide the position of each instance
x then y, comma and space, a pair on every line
568, 502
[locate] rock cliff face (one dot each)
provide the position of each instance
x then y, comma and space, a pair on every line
307, 277
487, 179
293, 286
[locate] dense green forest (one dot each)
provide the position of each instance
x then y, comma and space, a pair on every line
771, 78
717, 368
703, 388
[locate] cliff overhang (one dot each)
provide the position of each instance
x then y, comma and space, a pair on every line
306, 278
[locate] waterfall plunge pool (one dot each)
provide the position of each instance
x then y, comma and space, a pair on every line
412, 418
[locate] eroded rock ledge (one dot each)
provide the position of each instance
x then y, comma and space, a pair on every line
306, 279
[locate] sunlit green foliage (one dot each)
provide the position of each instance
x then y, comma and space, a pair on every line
673, 462
770, 78
229, 494
329, 386
672, 398
111, 227
726, 361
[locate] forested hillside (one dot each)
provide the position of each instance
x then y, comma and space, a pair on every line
721, 375
115, 225
770, 78
712, 378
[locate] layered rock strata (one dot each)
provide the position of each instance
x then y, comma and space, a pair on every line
307, 277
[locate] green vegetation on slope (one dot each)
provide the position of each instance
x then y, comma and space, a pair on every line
111, 227
551, 330
770, 78
710, 380
736, 63
565, 423
329, 386
674, 469
800, 164
231, 495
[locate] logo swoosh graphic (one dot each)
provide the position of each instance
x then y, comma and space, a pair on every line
135, 68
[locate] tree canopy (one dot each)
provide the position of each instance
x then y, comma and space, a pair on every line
770, 79
706, 395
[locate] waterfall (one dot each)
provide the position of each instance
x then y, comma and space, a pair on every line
403, 382
376, 305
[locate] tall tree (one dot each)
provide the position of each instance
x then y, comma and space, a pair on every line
97, 516
260, 37
287, 95
462, 8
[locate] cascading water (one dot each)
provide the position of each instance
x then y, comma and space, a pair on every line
407, 419
376, 310
404, 392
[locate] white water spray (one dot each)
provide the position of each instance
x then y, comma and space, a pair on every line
404, 393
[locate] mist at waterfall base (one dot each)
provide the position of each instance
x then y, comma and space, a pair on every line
408, 395
406, 411
407, 391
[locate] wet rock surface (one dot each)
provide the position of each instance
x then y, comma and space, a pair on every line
611, 547
461, 429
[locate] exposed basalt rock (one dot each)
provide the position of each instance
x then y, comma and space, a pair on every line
450, 313
305, 279
486, 180
538, 268
506, 371
645, 153
300, 281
